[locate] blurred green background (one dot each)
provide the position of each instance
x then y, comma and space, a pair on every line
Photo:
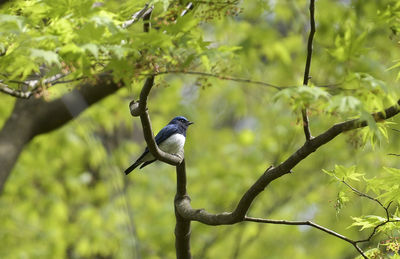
67, 196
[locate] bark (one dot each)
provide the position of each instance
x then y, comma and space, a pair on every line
182, 227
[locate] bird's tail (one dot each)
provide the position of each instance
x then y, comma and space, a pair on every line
132, 167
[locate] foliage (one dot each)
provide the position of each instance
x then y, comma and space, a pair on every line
67, 196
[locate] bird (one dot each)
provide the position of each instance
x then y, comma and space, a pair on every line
170, 139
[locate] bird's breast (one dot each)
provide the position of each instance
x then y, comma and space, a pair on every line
174, 144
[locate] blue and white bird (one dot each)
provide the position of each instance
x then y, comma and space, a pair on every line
170, 139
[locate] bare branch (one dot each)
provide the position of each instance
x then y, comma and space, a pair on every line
16, 93
222, 77
307, 223
146, 19
361, 194
136, 16
226, 218
35, 85
376, 229
68, 81
188, 7
386, 209
36, 82
306, 126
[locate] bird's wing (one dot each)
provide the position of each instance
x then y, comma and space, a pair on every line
165, 133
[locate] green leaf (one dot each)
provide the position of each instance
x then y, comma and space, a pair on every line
344, 104
206, 62
12, 23
341, 200
49, 57
329, 172
345, 173
366, 222
92, 48
302, 96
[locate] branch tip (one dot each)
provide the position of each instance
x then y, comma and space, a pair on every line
134, 108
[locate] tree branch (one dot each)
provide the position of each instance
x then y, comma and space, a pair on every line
306, 126
35, 85
182, 227
222, 77
147, 129
136, 16
188, 7
307, 223
361, 194
184, 209
36, 116
386, 209
15, 93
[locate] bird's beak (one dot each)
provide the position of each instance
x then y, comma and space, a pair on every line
190, 123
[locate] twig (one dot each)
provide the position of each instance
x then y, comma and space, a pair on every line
34, 85
222, 77
307, 223
69, 81
188, 7
146, 19
333, 85
136, 16
376, 229
183, 206
392, 154
306, 126
386, 209
359, 193
231, 78
217, 2
16, 93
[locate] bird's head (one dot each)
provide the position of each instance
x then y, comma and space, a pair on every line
180, 120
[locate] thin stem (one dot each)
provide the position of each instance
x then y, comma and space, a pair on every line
306, 126
306, 223
359, 193
244, 80
136, 16
386, 209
